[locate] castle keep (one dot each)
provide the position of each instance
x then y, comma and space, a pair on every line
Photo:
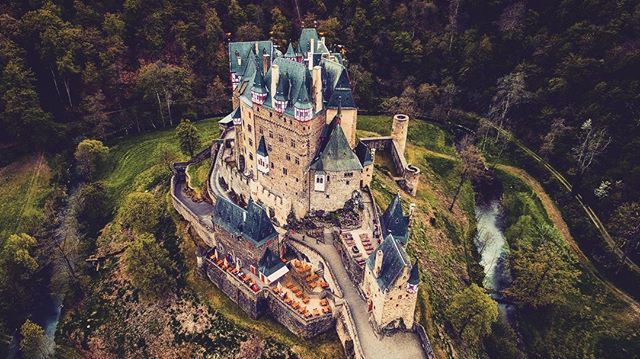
287, 162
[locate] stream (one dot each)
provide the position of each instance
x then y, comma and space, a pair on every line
494, 250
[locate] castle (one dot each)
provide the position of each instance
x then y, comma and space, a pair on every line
289, 153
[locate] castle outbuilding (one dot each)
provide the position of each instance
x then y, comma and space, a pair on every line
390, 280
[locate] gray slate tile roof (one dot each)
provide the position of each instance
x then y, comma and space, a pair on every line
269, 263
252, 224
244, 49
336, 155
414, 277
364, 154
394, 222
262, 147
394, 260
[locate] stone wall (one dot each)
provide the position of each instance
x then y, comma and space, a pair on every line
254, 304
339, 187
296, 323
315, 258
355, 272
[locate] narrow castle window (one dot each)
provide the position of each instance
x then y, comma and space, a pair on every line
280, 138
249, 127
288, 156
270, 134
251, 156
250, 143
284, 170
297, 161
293, 143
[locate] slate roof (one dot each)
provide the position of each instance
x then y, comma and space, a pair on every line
244, 49
258, 86
290, 51
394, 222
335, 80
228, 119
262, 148
336, 155
302, 102
414, 276
253, 224
394, 260
269, 263
304, 43
364, 154
341, 97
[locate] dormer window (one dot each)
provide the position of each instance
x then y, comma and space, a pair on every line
280, 105
303, 114
258, 98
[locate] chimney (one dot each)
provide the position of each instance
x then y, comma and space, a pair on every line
316, 78
377, 266
238, 59
257, 52
310, 60
322, 41
275, 75
266, 62
311, 48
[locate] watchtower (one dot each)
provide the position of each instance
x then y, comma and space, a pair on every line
399, 129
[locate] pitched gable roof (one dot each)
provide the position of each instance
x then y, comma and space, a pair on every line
394, 222
262, 147
253, 224
304, 42
243, 49
364, 154
414, 277
337, 156
394, 260
269, 263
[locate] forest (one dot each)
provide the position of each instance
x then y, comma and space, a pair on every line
561, 76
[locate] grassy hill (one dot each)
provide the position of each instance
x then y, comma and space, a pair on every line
24, 185
132, 165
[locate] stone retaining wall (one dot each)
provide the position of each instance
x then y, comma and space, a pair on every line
296, 323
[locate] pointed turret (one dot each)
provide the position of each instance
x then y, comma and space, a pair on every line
259, 89
303, 107
394, 222
282, 93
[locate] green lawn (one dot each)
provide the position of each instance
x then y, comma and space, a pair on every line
198, 176
24, 185
420, 133
131, 164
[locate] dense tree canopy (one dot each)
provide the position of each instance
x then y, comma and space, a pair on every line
140, 212
149, 266
471, 313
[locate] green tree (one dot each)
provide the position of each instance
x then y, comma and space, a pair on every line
625, 226
149, 266
34, 343
164, 84
543, 271
166, 155
18, 266
92, 207
94, 114
140, 212
280, 27
471, 313
188, 137
89, 155
471, 165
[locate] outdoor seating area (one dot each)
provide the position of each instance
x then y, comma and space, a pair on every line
240, 273
360, 247
306, 306
311, 279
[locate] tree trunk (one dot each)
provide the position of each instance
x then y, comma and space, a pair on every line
455, 197
160, 109
66, 86
168, 100
55, 82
